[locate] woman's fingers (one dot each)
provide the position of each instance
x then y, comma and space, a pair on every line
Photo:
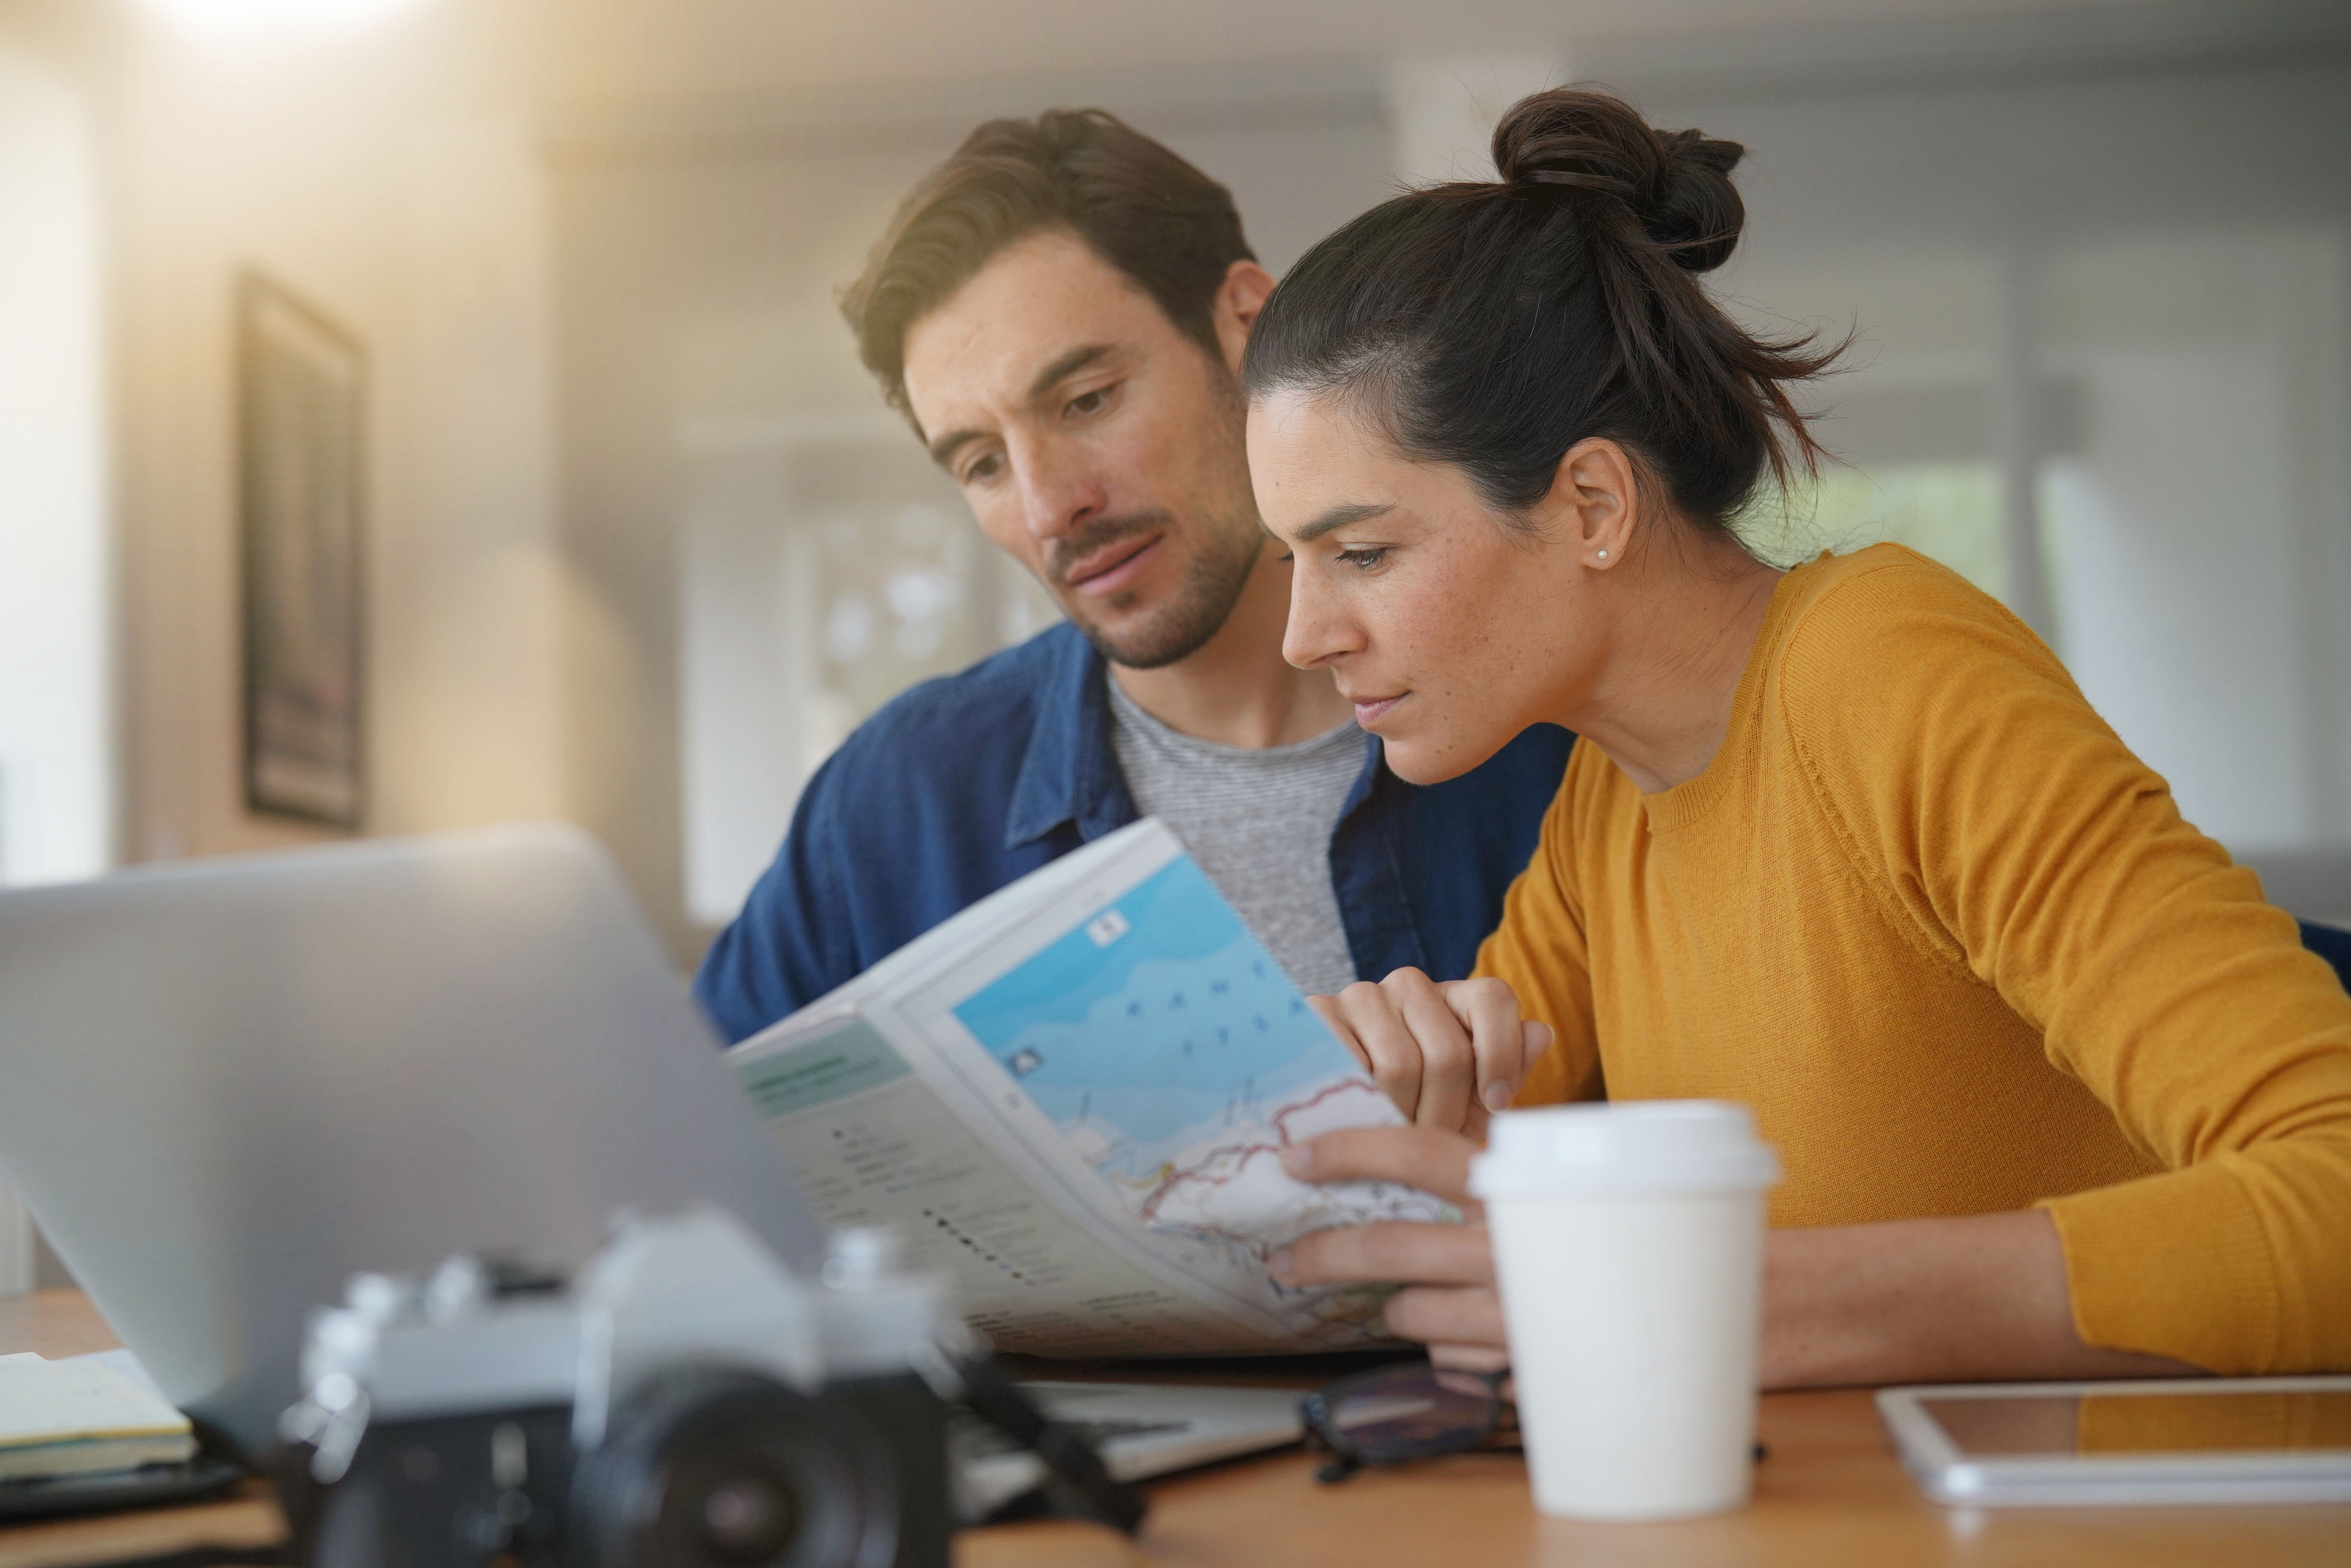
1386, 1041
1447, 1270
1327, 1010
1448, 1057
1433, 1159
1534, 1039
1489, 1009
1467, 1320
1389, 1249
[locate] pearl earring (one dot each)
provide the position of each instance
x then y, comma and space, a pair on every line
1604, 555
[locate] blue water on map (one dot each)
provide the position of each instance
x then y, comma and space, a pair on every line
1159, 1022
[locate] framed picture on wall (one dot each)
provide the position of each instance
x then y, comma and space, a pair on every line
300, 490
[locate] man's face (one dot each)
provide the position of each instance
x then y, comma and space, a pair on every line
1095, 443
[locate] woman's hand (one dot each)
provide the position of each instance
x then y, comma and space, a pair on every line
1962, 1299
1447, 1270
1449, 1055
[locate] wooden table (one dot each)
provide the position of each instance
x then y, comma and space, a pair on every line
1831, 1493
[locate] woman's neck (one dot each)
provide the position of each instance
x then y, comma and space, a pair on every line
1687, 619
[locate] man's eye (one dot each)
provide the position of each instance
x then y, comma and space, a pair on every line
1088, 403
1365, 559
983, 469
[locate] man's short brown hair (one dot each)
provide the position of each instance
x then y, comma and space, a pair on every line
1143, 209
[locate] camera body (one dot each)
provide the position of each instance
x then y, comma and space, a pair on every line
686, 1401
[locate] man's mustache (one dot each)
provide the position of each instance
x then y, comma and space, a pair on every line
1073, 548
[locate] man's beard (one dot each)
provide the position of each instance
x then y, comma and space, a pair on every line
1224, 553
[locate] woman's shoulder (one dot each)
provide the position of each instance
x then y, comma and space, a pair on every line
1885, 577
1886, 617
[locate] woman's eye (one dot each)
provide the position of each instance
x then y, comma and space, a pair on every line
1365, 559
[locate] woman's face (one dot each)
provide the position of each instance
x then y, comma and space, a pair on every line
1449, 633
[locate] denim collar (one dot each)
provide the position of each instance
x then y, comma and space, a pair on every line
1070, 772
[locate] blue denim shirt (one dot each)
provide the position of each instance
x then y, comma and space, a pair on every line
969, 782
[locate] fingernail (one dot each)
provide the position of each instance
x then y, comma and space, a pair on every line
1279, 1264
1498, 1095
1298, 1160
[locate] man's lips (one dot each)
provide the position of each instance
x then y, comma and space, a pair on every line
1113, 567
1369, 711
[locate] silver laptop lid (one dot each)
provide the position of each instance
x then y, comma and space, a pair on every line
227, 1085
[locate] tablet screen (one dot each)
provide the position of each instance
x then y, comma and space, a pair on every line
2304, 1421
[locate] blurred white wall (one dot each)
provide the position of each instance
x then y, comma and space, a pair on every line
57, 773
591, 246
770, 552
56, 778
1441, 109
387, 175
2170, 246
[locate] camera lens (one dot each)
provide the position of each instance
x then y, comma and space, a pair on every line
748, 1520
717, 1468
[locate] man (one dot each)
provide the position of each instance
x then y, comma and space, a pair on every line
1060, 311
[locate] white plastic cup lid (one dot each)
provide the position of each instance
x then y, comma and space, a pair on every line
1663, 1146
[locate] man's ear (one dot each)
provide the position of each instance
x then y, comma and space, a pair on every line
1239, 299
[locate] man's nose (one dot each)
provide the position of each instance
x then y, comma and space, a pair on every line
1059, 494
1319, 630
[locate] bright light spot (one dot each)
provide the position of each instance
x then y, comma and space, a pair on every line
270, 21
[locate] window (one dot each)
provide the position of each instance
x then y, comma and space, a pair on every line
57, 805
57, 802
825, 569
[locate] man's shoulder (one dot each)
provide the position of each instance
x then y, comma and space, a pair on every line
979, 717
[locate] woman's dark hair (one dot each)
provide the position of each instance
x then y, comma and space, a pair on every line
1141, 208
1494, 326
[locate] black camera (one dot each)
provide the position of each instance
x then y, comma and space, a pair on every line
685, 1403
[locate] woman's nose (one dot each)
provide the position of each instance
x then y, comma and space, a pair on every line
1318, 629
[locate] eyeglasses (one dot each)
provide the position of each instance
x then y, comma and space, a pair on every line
1391, 1415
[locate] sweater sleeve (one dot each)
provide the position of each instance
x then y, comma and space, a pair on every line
1538, 950
2004, 827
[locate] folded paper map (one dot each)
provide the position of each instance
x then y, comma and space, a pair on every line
1073, 1097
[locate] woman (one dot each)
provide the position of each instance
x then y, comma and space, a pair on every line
2057, 1092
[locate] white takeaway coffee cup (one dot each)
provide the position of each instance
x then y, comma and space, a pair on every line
1628, 1240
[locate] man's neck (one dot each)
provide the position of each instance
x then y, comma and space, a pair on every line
1236, 689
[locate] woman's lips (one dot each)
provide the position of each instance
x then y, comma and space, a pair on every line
1121, 569
1369, 713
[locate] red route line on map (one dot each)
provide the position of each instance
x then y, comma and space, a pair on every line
1241, 1155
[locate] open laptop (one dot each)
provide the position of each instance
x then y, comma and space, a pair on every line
227, 1085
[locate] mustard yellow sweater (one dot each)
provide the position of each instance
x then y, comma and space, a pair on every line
1954, 944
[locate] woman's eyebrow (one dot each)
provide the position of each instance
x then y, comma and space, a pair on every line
1339, 518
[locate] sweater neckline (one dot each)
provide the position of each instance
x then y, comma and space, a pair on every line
1686, 802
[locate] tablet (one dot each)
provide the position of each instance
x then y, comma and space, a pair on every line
2218, 1440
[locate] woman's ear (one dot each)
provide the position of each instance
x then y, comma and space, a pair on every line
1595, 496
1239, 299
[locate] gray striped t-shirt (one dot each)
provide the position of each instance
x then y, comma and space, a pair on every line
1259, 822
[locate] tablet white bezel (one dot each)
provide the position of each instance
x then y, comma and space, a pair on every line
1949, 1475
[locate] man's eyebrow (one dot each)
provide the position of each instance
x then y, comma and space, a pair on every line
944, 447
1060, 371
1062, 368
1339, 518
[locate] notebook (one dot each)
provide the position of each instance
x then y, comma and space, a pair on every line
81, 1416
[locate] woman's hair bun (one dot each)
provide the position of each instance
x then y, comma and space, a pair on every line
1676, 185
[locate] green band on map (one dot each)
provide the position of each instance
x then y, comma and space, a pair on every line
840, 1062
